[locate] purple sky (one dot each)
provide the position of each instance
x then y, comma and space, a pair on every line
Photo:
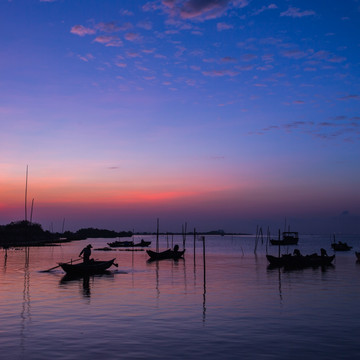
222, 114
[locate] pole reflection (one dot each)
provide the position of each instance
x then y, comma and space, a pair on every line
25, 313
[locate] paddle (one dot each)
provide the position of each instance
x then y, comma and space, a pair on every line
69, 262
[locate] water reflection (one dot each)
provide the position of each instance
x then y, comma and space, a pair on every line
5, 260
84, 280
25, 314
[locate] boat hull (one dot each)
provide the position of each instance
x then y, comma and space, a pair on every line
129, 244
341, 247
300, 262
288, 238
93, 267
167, 254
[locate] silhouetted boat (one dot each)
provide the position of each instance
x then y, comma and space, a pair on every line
340, 246
167, 254
92, 267
142, 243
121, 244
289, 261
288, 238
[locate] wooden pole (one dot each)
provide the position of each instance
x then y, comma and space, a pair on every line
26, 185
31, 212
157, 236
279, 245
194, 242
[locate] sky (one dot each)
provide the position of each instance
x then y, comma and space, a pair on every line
221, 114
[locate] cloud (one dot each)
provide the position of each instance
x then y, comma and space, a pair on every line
219, 73
82, 30
264, 8
109, 27
228, 59
196, 9
248, 57
108, 40
223, 26
132, 37
147, 25
350, 97
294, 54
296, 13
327, 56
86, 57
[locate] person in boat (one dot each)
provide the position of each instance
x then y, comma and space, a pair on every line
297, 252
176, 249
323, 252
86, 251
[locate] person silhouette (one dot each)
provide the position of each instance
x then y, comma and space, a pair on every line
86, 251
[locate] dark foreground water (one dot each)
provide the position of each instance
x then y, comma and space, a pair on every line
233, 308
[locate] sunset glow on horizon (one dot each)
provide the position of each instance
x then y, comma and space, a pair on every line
222, 114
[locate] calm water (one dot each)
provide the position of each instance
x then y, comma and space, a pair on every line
233, 308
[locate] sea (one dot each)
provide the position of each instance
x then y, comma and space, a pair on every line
222, 301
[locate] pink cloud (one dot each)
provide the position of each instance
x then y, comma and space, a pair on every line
108, 27
294, 54
82, 30
108, 40
132, 36
197, 9
218, 73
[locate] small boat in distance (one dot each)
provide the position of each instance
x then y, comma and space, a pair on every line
167, 254
288, 238
298, 261
92, 267
340, 246
142, 243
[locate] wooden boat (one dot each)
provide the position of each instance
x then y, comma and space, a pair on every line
121, 244
142, 243
288, 238
289, 261
92, 267
340, 246
167, 254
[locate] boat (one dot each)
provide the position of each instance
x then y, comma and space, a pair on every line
92, 267
288, 238
299, 261
121, 244
142, 243
167, 254
340, 246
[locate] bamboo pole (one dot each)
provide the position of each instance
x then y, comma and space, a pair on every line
157, 236
31, 212
194, 242
26, 185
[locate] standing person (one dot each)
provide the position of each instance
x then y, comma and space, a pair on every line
87, 252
